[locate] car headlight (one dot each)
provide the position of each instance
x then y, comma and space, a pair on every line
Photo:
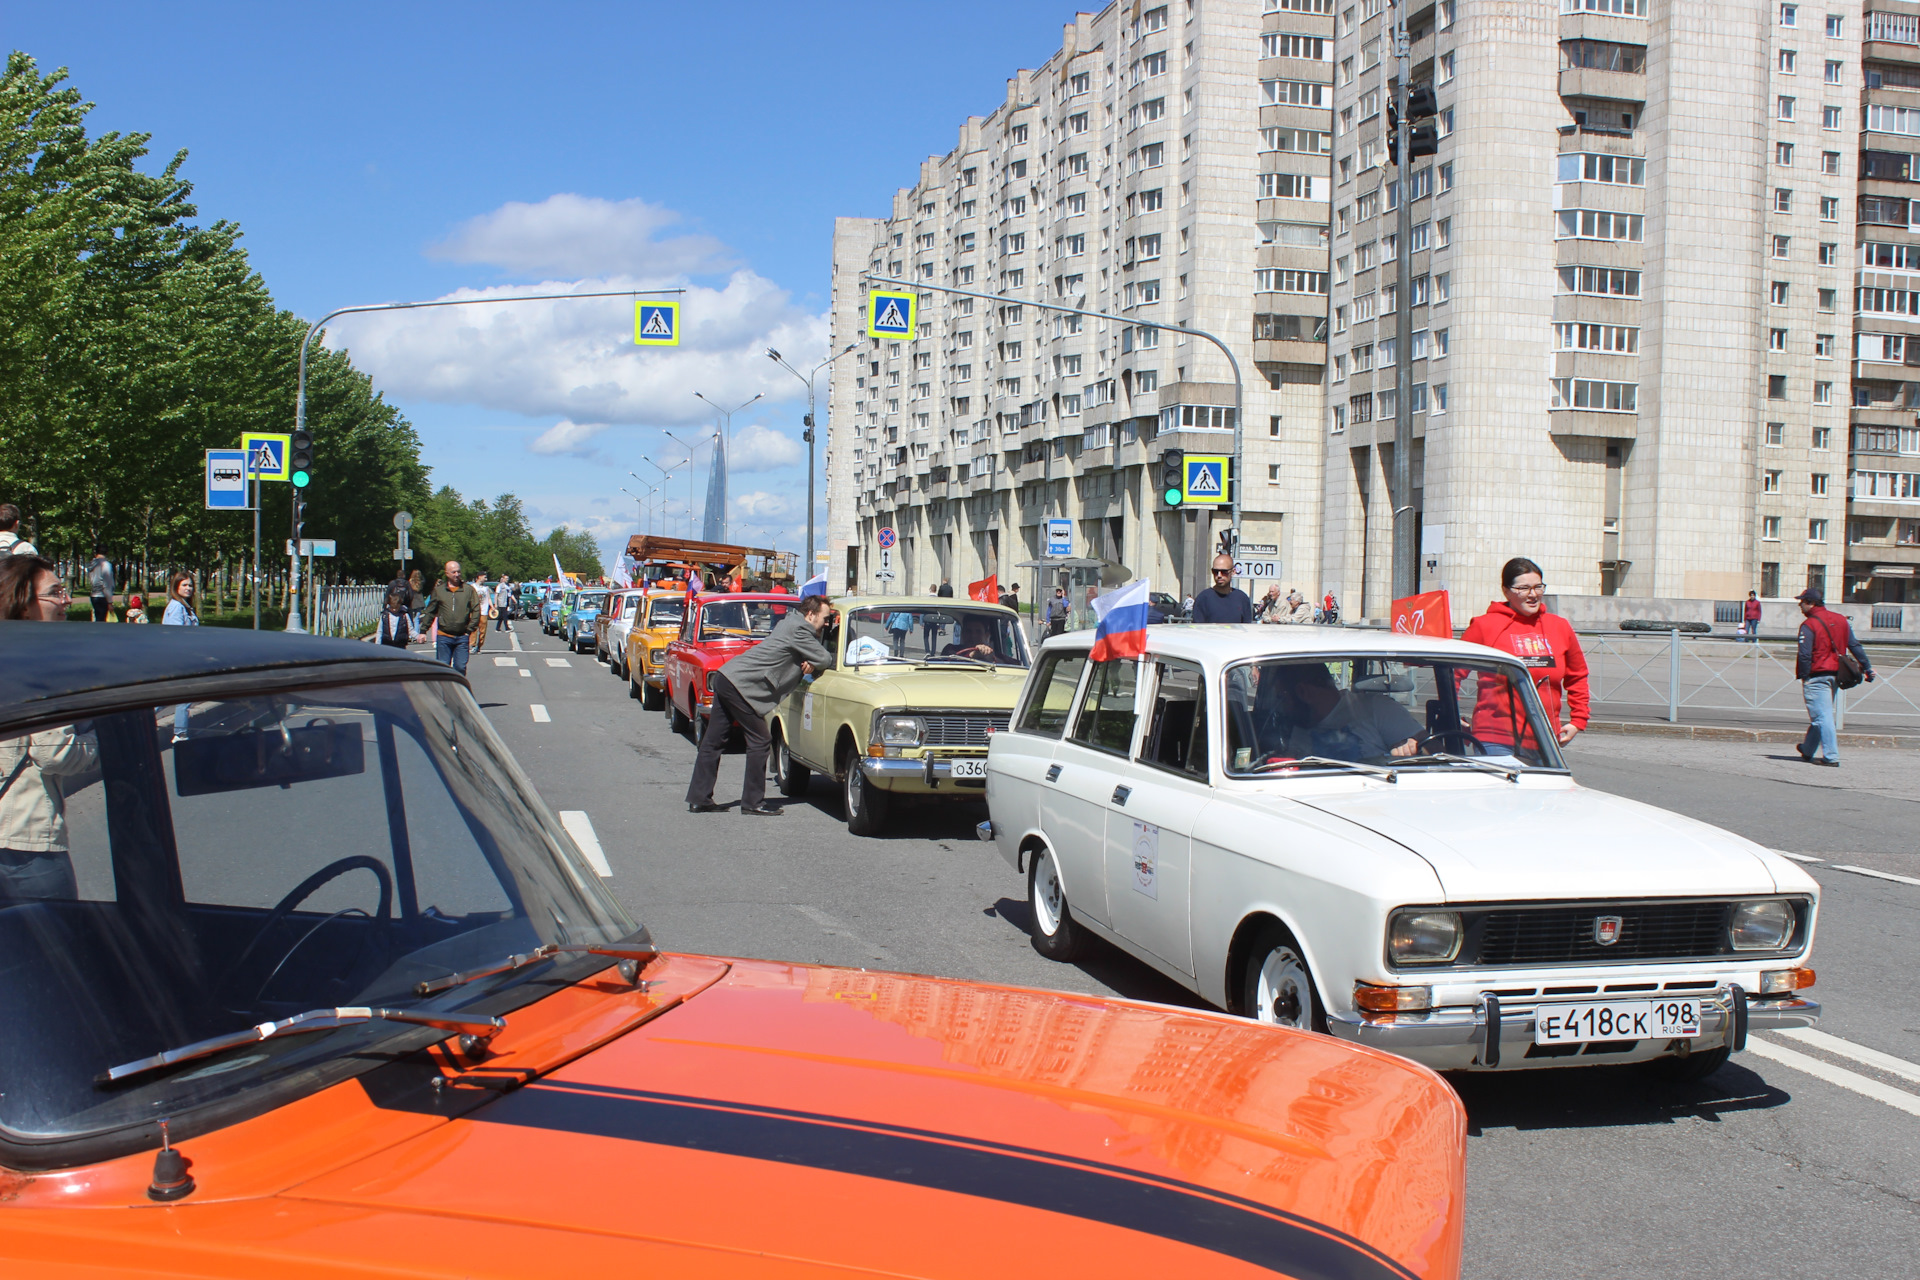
902, 731
1424, 937
656, 655
1761, 926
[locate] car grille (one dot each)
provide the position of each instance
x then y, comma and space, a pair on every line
1565, 934
963, 730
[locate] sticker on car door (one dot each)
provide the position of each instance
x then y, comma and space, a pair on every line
806, 713
1146, 860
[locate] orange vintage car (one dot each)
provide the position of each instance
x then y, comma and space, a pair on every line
308, 982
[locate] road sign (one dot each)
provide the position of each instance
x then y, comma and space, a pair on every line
403, 520
888, 539
313, 546
656, 324
266, 454
1257, 567
1205, 478
1059, 536
890, 315
227, 480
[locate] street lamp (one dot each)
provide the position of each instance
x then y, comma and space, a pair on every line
726, 474
661, 488
808, 379
691, 450
638, 503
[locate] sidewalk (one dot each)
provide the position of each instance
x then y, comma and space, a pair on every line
1727, 727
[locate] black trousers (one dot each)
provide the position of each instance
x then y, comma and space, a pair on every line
102, 608
729, 709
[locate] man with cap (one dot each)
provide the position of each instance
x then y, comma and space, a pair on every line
1827, 646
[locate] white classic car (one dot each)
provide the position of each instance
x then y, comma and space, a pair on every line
1375, 835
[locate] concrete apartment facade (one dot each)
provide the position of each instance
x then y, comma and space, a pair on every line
1167, 164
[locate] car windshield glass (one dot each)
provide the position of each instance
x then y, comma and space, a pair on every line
592, 600
735, 619
201, 868
667, 612
934, 633
1403, 712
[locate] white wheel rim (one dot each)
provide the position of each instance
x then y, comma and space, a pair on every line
855, 788
1049, 900
1282, 994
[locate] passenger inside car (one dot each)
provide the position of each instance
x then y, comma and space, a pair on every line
1322, 719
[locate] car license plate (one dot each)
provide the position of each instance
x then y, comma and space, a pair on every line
974, 768
1616, 1020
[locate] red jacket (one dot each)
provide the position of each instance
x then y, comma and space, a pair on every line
1547, 645
1751, 612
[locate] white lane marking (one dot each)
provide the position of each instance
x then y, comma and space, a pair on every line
580, 827
558, 662
1852, 1080
526, 673
1858, 1052
1878, 875
1799, 857
540, 715
506, 662
832, 926
514, 636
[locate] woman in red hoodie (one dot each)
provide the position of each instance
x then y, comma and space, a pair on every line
1543, 642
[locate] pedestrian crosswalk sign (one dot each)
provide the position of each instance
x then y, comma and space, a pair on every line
266, 454
1207, 477
656, 324
890, 315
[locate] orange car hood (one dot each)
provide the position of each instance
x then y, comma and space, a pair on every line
917, 1126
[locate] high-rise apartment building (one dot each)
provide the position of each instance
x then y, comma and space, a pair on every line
1168, 165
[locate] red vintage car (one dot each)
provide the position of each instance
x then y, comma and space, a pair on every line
716, 628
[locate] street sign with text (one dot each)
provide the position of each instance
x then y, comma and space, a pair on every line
1059, 536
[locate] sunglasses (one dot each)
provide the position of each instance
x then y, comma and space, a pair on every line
1223, 572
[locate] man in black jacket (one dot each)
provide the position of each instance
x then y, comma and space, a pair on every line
1224, 602
746, 689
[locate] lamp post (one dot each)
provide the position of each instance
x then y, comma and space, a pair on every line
691, 450
661, 488
808, 434
726, 461
638, 503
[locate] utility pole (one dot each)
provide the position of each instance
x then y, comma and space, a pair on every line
726, 459
809, 435
1403, 523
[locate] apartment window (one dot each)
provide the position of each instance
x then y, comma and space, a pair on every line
1437, 393
1587, 166
1594, 224
1363, 306
1770, 482
1783, 154
1612, 339
1833, 71
1346, 71
1339, 368
1444, 63
1153, 155
1361, 408
1830, 162
1446, 176
1607, 397
1833, 26
1776, 339
1154, 64
1783, 200
1363, 357
1337, 419
1343, 219
1823, 350
1152, 199
1770, 529
1777, 295
1788, 59
1077, 123
1274, 44
1829, 208
1367, 206
1895, 28
1443, 232
1309, 141
1776, 386
1903, 120
1290, 186
1346, 169
1079, 84
1145, 380
1780, 244
1292, 93
1420, 292
1340, 319
1830, 118
1613, 282
1776, 434
1789, 15
1822, 394
1816, 532
1829, 255
1443, 290
1783, 107
1149, 291
1770, 575
1826, 298
1817, 484
1288, 280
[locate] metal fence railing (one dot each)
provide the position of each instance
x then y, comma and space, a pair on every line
1671, 672
348, 611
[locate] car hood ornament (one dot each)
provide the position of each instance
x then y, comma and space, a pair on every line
1606, 930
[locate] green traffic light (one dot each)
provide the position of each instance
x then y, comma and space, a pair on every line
301, 479
1175, 497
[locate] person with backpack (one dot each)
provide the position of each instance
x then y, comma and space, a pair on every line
100, 586
1830, 658
396, 620
11, 543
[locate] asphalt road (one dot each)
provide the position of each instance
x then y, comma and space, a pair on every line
1798, 1158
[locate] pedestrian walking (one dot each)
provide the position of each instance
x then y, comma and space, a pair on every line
100, 586
899, 622
1056, 612
396, 620
1010, 596
180, 613
503, 604
1546, 645
931, 624
1750, 617
946, 589
1830, 658
136, 610
745, 690
38, 770
483, 605
11, 543
1222, 602
453, 610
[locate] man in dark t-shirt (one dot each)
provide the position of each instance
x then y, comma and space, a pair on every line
1225, 602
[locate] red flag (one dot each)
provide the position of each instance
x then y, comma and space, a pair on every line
987, 589
1426, 614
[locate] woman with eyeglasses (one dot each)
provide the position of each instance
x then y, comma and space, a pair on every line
1545, 644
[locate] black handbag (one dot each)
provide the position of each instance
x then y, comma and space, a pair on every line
1850, 673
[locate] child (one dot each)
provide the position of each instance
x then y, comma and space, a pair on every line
136, 610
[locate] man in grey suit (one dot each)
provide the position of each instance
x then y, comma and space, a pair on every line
745, 691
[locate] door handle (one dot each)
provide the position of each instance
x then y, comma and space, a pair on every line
1120, 794
1053, 773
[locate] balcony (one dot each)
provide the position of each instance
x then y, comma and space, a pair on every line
1891, 37
1617, 86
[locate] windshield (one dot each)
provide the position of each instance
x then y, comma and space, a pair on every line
735, 619
667, 612
591, 600
1394, 711
934, 633
289, 852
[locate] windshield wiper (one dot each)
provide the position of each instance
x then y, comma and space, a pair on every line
631, 958
1485, 766
939, 658
1374, 769
472, 1031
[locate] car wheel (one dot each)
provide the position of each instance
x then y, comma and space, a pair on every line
682, 722
794, 778
864, 804
1695, 1066
1278, 987
1054, 933
651, 698
638, 693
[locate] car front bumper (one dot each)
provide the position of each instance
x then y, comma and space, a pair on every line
927, 775
1456, 1039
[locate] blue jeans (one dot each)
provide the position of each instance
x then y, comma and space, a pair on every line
451, 651
1818, 691
30, 874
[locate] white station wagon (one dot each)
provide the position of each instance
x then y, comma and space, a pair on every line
1375, 835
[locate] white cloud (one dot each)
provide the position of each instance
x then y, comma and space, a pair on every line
570, 235
761, 448
763, 506
566, 437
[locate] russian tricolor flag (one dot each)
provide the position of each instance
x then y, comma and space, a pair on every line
816, 585
1121, 631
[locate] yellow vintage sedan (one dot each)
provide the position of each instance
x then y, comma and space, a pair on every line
647, 643
920, 687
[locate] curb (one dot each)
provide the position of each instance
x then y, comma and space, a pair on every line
1719, 733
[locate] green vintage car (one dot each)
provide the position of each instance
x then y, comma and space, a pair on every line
920, 686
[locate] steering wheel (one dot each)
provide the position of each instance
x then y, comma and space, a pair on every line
299, 894
1460, 736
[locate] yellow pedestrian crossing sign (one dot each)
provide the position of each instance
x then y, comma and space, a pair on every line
656, 324
890, 315
266, 454
1207, 478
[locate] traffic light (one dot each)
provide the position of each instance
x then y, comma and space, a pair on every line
1422, 139
807, 435
1173, 476
1420, 102
1393, 133
300, 458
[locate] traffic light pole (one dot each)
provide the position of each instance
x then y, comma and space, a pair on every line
1404, 560
300, 390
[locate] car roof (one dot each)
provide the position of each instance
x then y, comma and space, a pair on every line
713, 597
916, 602
55, 669
1224, 642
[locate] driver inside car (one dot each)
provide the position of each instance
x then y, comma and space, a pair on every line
1340, 724
976, 641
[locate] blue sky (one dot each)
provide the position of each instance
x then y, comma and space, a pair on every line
408, 151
